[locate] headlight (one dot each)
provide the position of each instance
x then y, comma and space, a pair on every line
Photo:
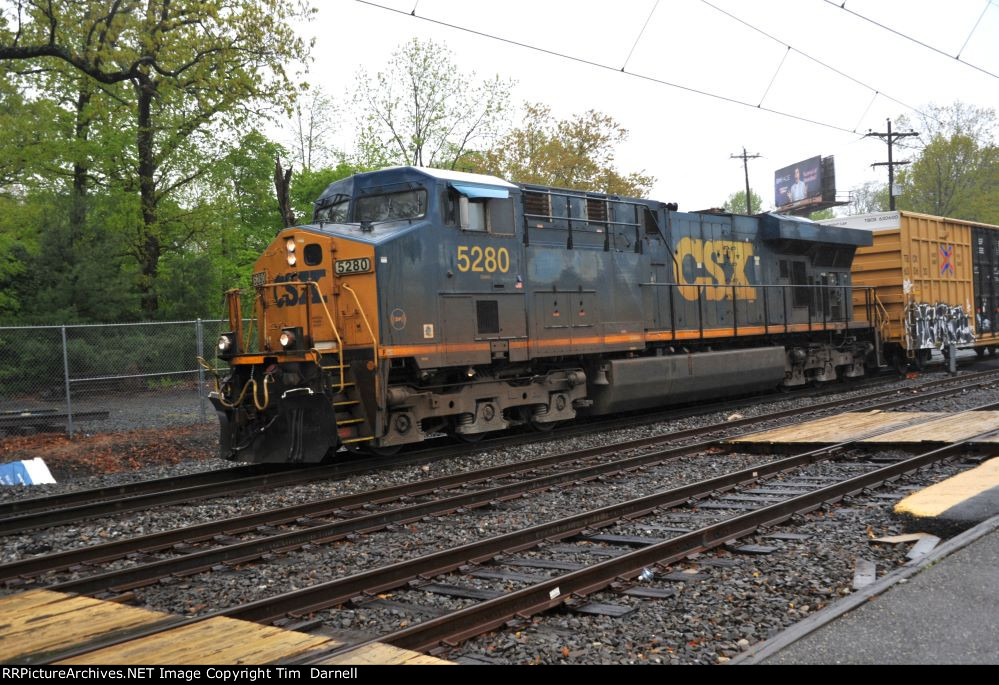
290, 244
292, 259
287, 339
227, 343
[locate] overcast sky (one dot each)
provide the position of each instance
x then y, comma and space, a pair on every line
682, 138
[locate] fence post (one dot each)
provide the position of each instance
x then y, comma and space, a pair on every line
200, 334
65, 370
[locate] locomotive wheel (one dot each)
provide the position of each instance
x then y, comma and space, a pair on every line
980, 351
541, 426
372, 451
469, 438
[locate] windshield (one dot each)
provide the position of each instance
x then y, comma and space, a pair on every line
334, 211
408, 204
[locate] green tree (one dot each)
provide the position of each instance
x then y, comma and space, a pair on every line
955, 171
307, 186
576, 153
822, 214
422, 110
868, 197
188, 72
315, 120
237, 218
736, 202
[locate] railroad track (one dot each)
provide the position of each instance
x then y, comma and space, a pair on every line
84, 504
353, 514
24, 515
773, 492
618, 572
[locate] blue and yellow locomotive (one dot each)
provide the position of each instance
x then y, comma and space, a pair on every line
422, 301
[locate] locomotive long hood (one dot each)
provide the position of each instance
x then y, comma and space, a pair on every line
780, 227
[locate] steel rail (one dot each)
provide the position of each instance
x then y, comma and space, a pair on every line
24, 506
194, 562
329, 594
325, 595
156, 541
29, 514
477, 619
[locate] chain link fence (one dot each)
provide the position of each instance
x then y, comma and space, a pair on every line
106, 377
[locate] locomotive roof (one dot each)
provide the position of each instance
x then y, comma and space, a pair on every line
359, 183
459, 176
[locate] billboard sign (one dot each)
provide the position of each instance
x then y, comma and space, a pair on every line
798, 185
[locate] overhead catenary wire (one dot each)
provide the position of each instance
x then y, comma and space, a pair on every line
988, 3
843, 7
828, 66
774, 77
869, 104
581, 60
639, 36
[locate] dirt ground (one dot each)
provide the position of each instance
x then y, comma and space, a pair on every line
87, 455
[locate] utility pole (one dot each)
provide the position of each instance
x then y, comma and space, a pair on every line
890, 138
745, 165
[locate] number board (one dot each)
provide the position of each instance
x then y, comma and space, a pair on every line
259, 278
343, 267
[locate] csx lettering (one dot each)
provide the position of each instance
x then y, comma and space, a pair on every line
714, 263
488, 260
293, 294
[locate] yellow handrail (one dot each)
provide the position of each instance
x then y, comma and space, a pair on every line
371, 333
329, 317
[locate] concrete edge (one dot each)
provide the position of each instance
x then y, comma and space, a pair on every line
762, 650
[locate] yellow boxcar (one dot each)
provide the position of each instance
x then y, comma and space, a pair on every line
934, 279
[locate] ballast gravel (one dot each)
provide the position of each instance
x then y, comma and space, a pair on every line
708, 620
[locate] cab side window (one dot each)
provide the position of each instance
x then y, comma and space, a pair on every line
487, 215
476, 215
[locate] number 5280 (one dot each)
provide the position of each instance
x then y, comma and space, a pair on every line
483, 260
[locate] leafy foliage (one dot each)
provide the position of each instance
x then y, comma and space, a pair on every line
736, 202
186, 71
956, 169
422, 110
576, 153
871, 196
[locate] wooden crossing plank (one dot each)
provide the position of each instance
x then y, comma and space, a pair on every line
937, 499
216, 640
379, 653
39, 627
884, 428
834, 429
946, 428
40, 623
28, 599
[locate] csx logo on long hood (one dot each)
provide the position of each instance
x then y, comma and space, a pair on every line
714, 263
294, 295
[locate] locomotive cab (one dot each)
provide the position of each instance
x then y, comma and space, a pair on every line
309, 369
